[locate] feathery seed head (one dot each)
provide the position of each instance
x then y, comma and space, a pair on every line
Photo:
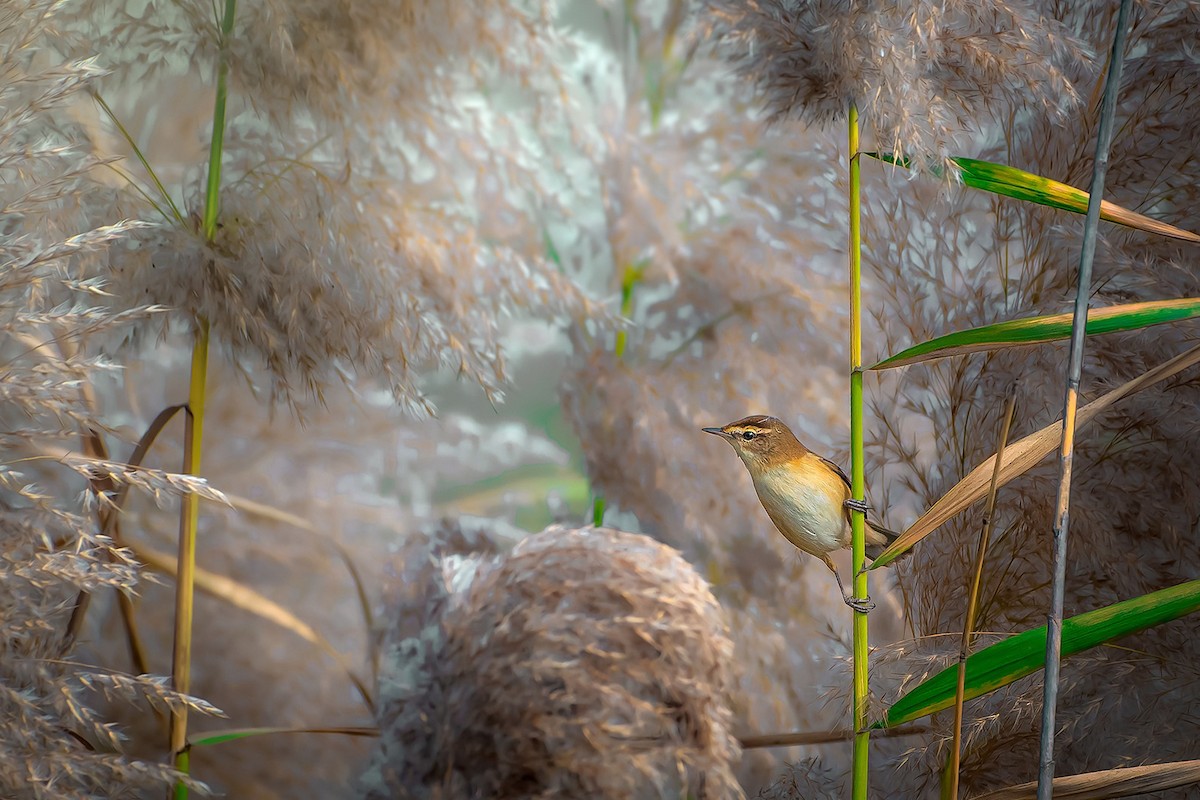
922, 75
52, 742
536, 671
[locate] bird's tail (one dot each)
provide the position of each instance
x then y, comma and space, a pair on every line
875, 548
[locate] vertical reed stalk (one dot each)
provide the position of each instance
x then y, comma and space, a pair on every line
985, 535
181, 664
862, 736
1054, 621
629, 279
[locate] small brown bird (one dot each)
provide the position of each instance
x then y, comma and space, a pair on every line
806, 496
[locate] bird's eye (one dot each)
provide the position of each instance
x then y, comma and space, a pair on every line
748, 435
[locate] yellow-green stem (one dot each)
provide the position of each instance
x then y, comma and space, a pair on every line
194, 427
629, 278
181, 662
862, 736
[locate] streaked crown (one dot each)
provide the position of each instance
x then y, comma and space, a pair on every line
761, 440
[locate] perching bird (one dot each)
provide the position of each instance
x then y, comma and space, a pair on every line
806, 496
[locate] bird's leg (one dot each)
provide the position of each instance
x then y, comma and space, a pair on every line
858, 505
862, 606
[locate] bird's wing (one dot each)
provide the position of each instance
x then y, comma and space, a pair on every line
836, 469
888, 536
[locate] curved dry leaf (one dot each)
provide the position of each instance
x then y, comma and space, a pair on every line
1107, 783
1020, 457
245, 598
253, 508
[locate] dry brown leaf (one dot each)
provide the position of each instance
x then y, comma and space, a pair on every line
1108, 783
1021, 456
253, 508
245, 598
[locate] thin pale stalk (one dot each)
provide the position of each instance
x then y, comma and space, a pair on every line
821, 737
108, 517
1087, 255
137, 648
189, 517
985, 535
141, 157
862, 736
109, 520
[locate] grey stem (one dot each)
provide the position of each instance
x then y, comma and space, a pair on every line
1108, 112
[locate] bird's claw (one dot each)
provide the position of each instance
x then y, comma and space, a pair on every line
858, 505
861, 605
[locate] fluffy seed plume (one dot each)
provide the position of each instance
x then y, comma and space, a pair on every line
921, 74
53, 743
374, 202
583, 663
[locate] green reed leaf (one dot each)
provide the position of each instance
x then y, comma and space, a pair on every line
1048, 328
1014, 658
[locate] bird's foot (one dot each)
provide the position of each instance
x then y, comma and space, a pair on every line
862, 606
858, 505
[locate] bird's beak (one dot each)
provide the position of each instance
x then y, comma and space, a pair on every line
717, 431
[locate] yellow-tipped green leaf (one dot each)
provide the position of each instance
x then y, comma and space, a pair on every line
1014, 658
1019, 457
1036, 330
1021, 185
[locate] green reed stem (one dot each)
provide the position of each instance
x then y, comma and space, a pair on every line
213, 187
630, 277
862, 736
189, 518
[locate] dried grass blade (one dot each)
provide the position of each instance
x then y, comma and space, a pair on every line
268, 512
245, 598
1022, 455
985, 534
139, 455
110, 526
1109, 783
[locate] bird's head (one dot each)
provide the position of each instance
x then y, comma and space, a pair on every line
762, 442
